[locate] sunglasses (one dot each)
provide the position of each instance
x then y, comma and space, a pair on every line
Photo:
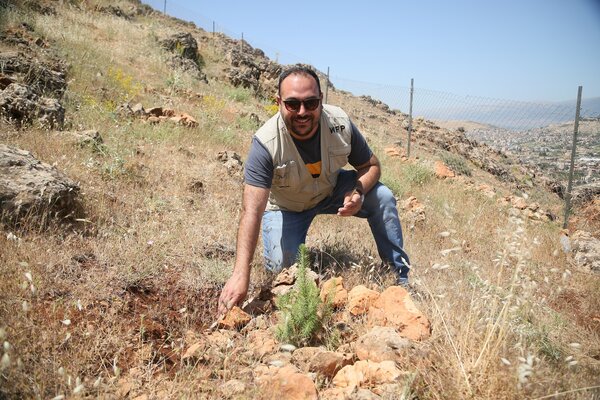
309, 104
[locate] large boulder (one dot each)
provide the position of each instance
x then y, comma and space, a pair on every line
250, 69
29, 187
185, 53
19, 104
43, 78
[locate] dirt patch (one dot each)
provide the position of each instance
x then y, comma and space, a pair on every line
574, 305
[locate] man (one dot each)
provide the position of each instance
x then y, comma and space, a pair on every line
294, 172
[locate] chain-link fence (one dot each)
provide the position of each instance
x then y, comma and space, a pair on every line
537, 133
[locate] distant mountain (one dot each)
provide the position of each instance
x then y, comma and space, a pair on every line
507, 114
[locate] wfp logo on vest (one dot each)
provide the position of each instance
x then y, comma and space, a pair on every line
337, 128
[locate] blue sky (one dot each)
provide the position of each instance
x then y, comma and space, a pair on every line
528, 50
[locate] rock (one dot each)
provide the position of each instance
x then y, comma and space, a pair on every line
154, 111
279, 359
234, 319
487, 190
124, 110
366, 374
113, 10
333, 290
29, 186
395, 308
43, 79
518, 202
227, 155
395, 152
442, 171
586, 193
233, 388
261, 342
124, 388
20, 105
185, 120
137, 110
285, 280
360, 299
186, 56
302, 357
328, 363
86, 138
586, 251
196, 186
285, 383
381, 344
412, 204
250, 69
211, 347
182, 43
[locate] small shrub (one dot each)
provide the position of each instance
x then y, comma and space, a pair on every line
417, 174
271, 109
239, 94
303, 314
456, 163
246, 124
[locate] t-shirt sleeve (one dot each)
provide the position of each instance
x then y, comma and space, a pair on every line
360, 152
258, 170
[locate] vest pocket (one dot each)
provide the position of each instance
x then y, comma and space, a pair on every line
338, 158
286, 175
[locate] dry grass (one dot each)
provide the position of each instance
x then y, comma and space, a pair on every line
91, 307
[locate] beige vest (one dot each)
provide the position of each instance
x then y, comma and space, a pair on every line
293, 187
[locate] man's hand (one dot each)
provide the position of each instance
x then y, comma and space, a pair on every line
233, 293
352, 204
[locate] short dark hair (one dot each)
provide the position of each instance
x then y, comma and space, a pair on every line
298, 69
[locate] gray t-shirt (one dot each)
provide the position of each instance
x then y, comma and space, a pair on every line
259, 167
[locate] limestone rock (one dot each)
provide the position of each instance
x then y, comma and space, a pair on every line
302, 357
285, 383
88, 137
381, 344
234, 319
261, 342
211, 347
442, 171
328, 363
360, 299
395, 308
333, 289
285, 280
366, 374
28, 185
20, 105
233, 388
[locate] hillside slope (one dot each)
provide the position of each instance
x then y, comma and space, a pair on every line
106, 301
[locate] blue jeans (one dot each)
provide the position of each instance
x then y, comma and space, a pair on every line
284, 231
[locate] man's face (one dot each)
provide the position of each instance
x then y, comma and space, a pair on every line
301, 122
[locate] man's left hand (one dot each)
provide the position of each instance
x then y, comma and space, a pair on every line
352, 204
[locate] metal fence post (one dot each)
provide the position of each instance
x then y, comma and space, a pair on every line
572, 166
165, 8
326, 87
410, 116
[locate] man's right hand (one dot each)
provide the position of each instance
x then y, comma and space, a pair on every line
233, 293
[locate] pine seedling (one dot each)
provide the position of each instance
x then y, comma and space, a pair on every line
300, 316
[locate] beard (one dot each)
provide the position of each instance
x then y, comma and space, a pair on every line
304, 126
